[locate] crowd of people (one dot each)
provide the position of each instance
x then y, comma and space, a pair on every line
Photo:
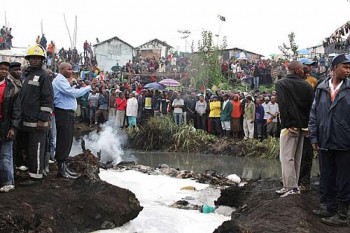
5, 38
38, 109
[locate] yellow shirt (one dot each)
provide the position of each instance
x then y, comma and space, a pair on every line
215, 109
312, 81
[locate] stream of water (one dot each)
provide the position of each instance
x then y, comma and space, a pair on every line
244, 167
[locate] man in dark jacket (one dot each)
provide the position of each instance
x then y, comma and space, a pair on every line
294, 99
329, 127
9, 120
36, 106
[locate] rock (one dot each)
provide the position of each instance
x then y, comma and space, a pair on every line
225, 210
86, 164
163, 166
233, 177
232, 196
126, 163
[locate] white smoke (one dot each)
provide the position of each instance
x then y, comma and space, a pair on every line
108, 140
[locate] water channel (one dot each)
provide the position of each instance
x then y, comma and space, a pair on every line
244, 167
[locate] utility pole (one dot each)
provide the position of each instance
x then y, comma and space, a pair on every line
222, 19
184, 35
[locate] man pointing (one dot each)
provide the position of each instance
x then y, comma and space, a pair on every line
65, 106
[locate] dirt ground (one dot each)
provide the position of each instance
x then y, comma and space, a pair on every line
261, 210
60, 205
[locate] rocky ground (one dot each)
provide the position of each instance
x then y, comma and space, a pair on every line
261, 210
89, 204
59, 205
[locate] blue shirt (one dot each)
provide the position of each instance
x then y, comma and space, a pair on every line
65, 95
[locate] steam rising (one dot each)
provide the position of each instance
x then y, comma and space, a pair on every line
108, 140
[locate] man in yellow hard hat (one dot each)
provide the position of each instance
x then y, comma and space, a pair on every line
37, 105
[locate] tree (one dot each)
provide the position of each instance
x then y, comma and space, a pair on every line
290, 51
205, 64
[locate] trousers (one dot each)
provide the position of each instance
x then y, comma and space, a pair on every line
291, 149
65, 133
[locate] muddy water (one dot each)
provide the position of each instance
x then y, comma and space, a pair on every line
244, 167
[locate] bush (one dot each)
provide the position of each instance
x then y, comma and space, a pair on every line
161, 133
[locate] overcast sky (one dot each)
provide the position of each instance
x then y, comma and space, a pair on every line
254, 25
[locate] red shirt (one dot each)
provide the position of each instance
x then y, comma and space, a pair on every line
2, 93
121, 104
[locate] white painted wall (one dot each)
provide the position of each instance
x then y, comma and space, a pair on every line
110, 53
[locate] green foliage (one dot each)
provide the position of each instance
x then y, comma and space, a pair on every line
161, 133
290, 51
269, 148
205, 64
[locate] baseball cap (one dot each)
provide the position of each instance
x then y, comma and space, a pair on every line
306, 61
15, 64
341, 59
5, 63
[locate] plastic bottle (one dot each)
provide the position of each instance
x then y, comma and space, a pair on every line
206, 209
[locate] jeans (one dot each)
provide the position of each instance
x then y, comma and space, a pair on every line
6, 163
52, 138
178, 118
256, 83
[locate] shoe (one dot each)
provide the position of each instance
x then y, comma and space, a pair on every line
282, 191
70, 172
51, 161
324, 213
30, 182
294, 191
65, 175
7, 188
335, 221
62, 171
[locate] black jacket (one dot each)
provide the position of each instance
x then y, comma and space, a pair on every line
329, 123
11, 109
36, 98
294, 96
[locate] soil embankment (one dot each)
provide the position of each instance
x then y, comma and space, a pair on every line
261, 210
59, 205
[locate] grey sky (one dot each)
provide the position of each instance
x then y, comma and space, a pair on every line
255, 25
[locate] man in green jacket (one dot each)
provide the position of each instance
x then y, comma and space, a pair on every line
225, 117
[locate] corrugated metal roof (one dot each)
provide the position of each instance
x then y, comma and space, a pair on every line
113, 38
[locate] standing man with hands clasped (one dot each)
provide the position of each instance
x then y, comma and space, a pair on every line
65, 106
294, 97
329, 128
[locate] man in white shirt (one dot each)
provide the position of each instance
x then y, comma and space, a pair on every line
201, 110
178, 105
266, 116
272, 113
